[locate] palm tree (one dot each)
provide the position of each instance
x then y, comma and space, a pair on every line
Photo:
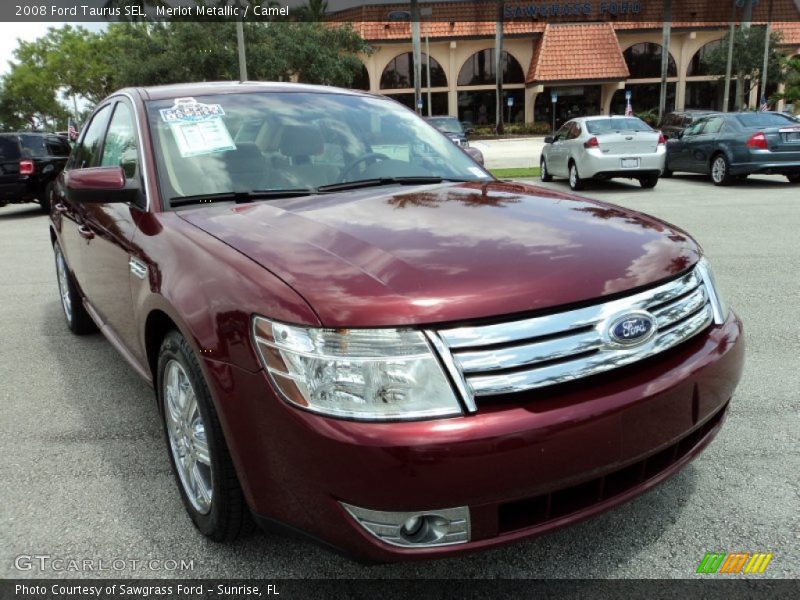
313, 11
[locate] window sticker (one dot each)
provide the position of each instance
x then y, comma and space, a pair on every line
197, 128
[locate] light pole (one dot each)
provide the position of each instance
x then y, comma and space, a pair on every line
765, 67
427, 12
240, 47
415, 43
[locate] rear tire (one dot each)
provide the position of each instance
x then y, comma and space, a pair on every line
793, 178
544, 174
649, 181
78, 320
196, 447
721, 170
575, 181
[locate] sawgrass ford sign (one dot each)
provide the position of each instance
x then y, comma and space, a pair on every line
533, 10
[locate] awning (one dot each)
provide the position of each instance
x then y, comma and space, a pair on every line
579, 52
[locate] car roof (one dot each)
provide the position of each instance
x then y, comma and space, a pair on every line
178, 90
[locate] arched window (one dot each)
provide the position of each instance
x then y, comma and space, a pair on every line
479, 69
361, 80
644, 60
399, 73
699, 64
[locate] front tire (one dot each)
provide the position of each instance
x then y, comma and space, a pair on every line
544, 174
198, 454
648, 182
721, 170
793, 178
78, 320
575, 181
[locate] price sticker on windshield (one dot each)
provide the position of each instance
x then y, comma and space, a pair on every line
197, 128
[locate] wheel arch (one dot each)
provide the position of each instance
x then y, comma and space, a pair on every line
157, 325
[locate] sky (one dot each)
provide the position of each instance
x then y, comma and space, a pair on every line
11, 32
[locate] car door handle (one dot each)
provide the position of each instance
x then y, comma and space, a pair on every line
60, 208
85, 232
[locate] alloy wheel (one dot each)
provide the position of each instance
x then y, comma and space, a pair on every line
718, 169
187, 437
573, 176
63, 284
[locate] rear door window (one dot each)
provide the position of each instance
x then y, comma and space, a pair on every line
33, 145
57, 146
9, 148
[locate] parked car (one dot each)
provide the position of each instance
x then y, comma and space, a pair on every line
29, 163
673, 124
452, 128
382, 345
476, 154
731, 146
604, 148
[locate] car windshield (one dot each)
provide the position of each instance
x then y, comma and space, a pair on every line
764, 119
446, 124
599, 126
239, 144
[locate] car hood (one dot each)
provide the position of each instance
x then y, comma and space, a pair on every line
398, 255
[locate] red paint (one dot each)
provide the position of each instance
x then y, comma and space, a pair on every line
96, 178
449, 253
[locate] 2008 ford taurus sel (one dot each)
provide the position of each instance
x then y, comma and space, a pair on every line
355, 330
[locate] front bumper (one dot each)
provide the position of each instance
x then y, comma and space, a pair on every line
523, 466
594, 163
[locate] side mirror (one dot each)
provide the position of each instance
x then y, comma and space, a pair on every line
100, 185
679, 135
548, 139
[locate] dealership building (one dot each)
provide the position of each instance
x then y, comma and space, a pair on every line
587, 54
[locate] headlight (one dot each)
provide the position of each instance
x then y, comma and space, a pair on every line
371, 374
718, 305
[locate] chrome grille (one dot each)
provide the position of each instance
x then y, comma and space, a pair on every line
532, 353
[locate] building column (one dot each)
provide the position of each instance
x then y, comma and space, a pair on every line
452, 82
531, 92
607, 95
781, 102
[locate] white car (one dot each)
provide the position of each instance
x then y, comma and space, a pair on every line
603, 148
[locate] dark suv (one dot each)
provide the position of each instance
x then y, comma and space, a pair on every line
29, 163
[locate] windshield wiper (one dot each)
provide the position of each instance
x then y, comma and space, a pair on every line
239, 196
352, 185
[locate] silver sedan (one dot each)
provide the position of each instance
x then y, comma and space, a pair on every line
604, 148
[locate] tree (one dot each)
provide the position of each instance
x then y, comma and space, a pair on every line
314, 10
749, 56
792, 77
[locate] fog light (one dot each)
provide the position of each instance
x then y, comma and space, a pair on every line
415, 529
411, 527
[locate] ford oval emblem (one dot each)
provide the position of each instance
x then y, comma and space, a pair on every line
632, 328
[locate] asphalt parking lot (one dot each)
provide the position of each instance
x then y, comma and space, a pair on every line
85, 475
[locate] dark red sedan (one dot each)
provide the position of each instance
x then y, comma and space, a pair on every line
354, 329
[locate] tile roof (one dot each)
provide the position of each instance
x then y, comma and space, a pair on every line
588, 51
477, 19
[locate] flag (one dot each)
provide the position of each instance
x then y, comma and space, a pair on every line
72, 132
764, 105
628, 109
